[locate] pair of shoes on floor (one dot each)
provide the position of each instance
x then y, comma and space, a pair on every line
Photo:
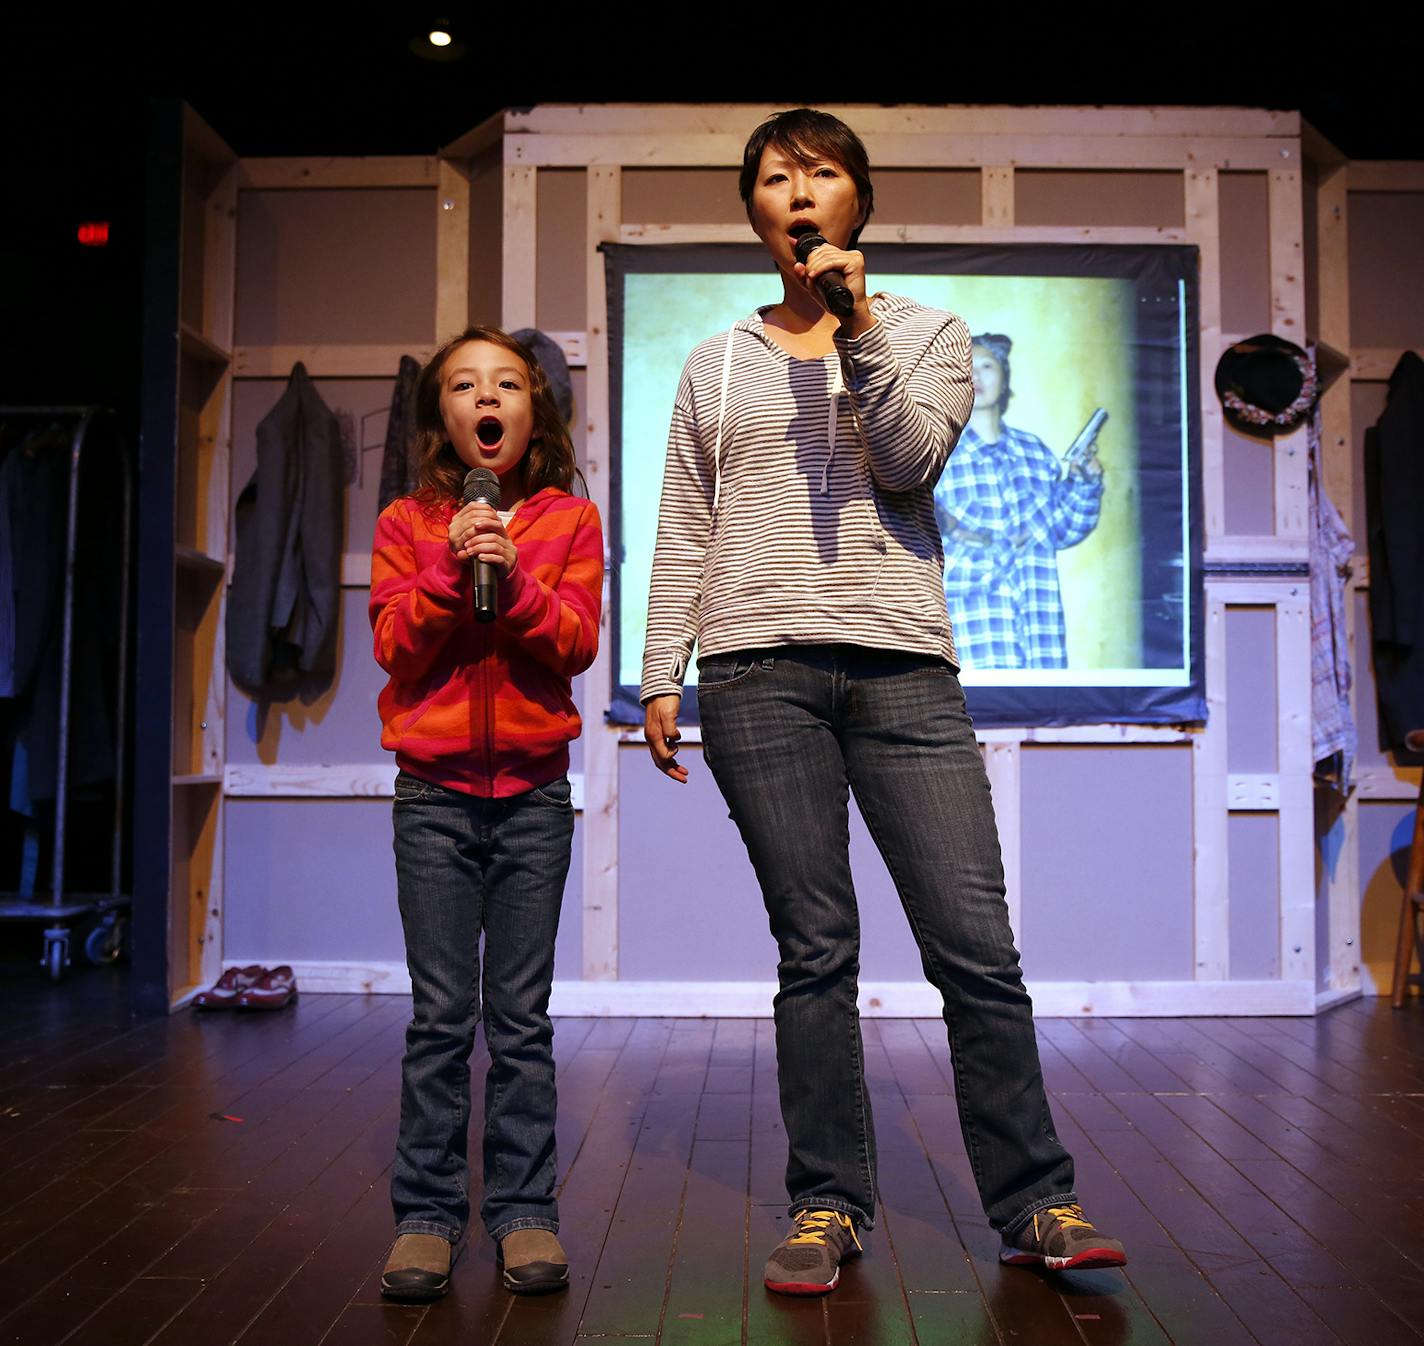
252, 987
808, 1260
532, 1262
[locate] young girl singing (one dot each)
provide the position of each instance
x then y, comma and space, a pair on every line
480, 716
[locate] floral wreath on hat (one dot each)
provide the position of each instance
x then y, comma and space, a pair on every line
1305, 399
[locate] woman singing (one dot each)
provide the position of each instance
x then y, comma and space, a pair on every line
798, 548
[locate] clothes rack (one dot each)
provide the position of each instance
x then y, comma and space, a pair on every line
93, 428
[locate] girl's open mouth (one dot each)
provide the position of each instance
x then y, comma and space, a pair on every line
489, 431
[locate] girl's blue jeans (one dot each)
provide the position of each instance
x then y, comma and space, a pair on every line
469, 868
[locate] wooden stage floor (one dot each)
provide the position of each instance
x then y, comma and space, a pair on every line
220, 1179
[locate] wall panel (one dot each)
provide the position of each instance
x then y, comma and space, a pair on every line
1107, 864
683, 196
313, 881
1245, 255
339, 726
1249, 467
1253, 841
486, 238
689, 905
347, 266
1251, 744
927, 196
1072, 196
562, 275
1386, 269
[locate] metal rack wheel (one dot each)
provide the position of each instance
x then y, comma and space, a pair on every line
56, 954
105, 942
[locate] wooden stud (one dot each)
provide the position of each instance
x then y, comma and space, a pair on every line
600, 751
662, 149
1116, 123
997, 196
405, 170
1374, 364
1338, 847
882, 1000
1258, 547
1297, 815
483, 136
324, 361
876, 232
1212, 912
521, 247
452, 250
219, 270
1288, 321
1386, 175
1202, 191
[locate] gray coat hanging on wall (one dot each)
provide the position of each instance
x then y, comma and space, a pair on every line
286, 582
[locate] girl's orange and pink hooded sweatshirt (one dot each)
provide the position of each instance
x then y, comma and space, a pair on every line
485, 708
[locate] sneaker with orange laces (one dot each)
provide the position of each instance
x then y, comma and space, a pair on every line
1062, 1240
808, 1260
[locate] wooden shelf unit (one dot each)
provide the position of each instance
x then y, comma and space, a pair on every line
184, 512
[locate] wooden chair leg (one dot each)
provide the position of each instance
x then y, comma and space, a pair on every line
1409, 909
1403, 951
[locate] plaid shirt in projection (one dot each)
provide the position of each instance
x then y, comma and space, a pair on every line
1002, 594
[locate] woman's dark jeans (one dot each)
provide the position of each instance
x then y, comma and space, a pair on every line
789, 733
467, 866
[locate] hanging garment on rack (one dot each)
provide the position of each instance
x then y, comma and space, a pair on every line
7, 598
399, 461
1394, 493
34, 486
286, 583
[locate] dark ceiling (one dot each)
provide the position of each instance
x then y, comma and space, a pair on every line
337, 81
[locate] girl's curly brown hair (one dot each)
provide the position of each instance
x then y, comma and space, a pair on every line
440, 475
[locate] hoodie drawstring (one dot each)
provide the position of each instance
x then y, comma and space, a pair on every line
832, 416
721, 414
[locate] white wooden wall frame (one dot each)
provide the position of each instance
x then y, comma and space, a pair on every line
1001, 143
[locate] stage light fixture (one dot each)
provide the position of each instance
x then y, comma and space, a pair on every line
437, 40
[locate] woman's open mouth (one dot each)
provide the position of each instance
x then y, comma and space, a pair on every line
490, 432
802, 227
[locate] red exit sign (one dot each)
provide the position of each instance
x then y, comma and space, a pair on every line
94, 233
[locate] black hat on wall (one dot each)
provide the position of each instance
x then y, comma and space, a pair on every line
1266, 383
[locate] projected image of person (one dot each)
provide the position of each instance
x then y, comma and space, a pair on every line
797, 547
1006, 507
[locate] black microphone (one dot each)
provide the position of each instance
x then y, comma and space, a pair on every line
482, 484
832, 286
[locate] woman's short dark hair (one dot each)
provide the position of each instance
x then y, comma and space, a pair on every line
808, 136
